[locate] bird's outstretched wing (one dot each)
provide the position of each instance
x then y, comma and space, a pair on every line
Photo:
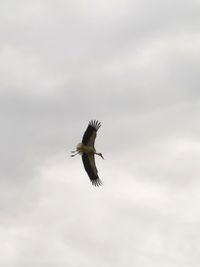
90, 133
90, 167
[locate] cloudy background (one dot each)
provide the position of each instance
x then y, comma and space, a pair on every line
133, 65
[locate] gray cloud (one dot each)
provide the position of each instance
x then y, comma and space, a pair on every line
134, 66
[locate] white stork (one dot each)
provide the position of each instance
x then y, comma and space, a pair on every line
87, 150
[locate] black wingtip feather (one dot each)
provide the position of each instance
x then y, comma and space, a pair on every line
95, 124
97, 182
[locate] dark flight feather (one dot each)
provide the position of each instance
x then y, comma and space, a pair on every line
90, 132
88, 161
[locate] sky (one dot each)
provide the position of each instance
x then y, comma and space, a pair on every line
134, 66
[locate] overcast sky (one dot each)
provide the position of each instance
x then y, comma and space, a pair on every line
134, 66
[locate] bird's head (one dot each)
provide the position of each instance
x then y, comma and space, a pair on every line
100, 155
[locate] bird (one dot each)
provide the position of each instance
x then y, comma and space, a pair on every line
87, 150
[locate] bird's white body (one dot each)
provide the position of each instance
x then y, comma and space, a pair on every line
80, 148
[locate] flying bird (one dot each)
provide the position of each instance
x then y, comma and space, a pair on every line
87, 150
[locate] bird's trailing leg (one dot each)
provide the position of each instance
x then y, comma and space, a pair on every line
75, 153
